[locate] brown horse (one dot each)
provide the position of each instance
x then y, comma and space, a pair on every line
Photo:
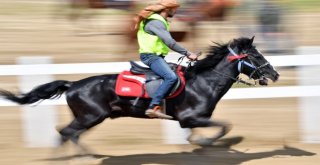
79, 9
98, 4
209, 10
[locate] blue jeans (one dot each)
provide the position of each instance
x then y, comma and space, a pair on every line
161, 68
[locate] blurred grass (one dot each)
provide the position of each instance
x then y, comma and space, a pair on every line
303, 5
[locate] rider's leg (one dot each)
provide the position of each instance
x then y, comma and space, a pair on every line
161, 68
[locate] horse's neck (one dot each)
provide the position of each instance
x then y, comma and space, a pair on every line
211, 85
226, 68
219, 79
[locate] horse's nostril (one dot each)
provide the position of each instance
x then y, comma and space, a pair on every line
277, 76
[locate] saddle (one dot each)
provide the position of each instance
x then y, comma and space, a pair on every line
142, 82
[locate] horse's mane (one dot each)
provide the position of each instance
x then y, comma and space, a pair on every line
215, 54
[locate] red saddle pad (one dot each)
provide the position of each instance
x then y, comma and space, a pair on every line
132, 85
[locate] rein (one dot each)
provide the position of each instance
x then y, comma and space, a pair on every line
238, 80
180, 59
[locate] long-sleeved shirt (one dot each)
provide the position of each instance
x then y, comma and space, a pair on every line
156, 27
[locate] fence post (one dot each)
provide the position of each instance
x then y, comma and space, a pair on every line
309, 106
171, 131
38, 121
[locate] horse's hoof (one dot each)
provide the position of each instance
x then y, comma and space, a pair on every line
204, 142
201, 141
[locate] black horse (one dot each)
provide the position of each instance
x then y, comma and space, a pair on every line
93, 99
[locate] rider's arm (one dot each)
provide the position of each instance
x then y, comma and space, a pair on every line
156, 27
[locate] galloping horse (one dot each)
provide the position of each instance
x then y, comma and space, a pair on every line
93, 99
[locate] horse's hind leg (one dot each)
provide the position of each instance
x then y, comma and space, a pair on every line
82, 123
72, 132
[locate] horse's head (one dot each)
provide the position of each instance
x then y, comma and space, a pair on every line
251, 62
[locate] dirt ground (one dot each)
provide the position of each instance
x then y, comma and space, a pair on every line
265, 131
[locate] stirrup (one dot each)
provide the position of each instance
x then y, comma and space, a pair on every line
156, 113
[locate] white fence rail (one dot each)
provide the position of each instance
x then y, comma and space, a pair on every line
116, 67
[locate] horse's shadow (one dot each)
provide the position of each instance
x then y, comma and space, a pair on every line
220, 153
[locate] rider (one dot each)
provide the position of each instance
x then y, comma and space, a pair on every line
155, 41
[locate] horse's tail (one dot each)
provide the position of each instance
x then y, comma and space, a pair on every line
45, 91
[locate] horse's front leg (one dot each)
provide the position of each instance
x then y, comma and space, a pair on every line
196, 122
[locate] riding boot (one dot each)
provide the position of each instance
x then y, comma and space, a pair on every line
155, 112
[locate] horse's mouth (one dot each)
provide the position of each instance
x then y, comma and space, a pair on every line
264, 80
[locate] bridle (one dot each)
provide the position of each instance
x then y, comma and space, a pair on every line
242, 63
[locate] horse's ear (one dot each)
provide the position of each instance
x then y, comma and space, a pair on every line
234, 42
251, 40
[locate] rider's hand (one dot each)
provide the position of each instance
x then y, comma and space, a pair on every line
192, 56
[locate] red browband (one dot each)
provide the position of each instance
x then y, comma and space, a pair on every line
232, 58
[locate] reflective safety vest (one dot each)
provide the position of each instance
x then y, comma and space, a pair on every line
149, 43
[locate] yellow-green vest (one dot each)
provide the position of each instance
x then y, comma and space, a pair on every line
151, 43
